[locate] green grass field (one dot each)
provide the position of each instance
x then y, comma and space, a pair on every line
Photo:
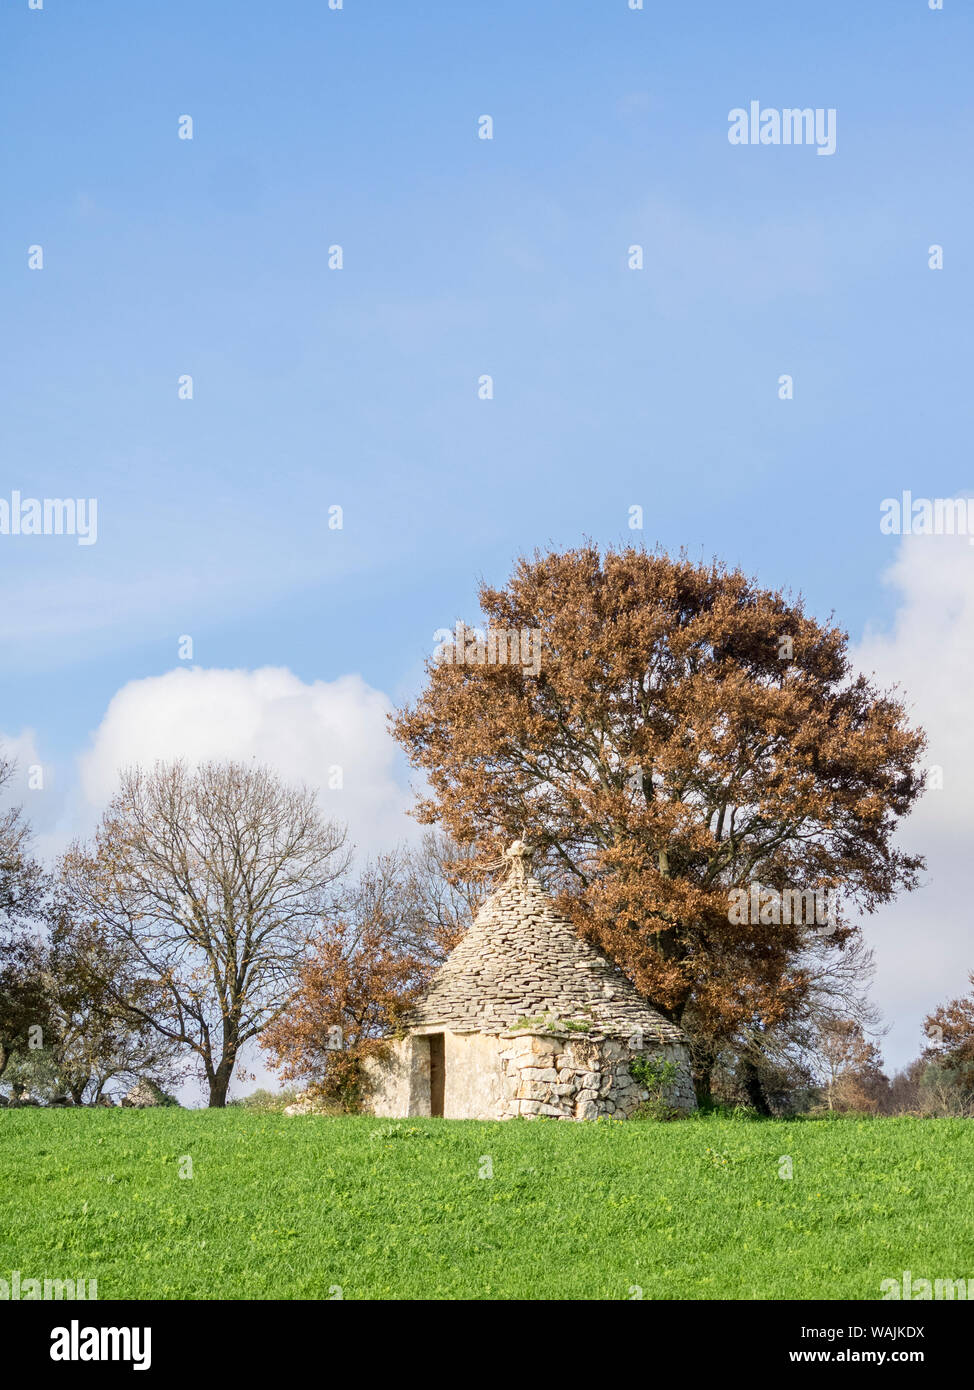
283, 1207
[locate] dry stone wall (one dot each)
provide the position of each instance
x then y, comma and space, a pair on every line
569, 1077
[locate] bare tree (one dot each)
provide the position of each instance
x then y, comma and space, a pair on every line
217, 881
443, 889
839, 983
836, 999
426, 896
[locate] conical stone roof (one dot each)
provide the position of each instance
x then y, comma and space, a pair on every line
521, 960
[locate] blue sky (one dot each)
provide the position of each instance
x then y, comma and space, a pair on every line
315, 387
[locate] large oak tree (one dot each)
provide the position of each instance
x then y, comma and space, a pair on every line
688, 733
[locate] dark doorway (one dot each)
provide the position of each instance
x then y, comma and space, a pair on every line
437, 1073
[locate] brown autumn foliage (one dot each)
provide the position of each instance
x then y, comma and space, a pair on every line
688, 733
951, 1030
350, 995
393, 927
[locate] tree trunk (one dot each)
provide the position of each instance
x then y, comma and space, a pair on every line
219, 1082
703, 1060
750, 1080
703, 1074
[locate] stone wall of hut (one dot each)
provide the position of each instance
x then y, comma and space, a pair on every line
564, 1075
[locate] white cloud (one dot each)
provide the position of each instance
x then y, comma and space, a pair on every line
923, 941
302, 731
20, 750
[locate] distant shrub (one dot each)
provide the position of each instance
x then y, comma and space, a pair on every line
320, 1099
946, 1090
266, 1100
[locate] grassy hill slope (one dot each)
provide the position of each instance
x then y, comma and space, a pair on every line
281, 1207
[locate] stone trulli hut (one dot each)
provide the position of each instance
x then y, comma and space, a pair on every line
526, 1018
